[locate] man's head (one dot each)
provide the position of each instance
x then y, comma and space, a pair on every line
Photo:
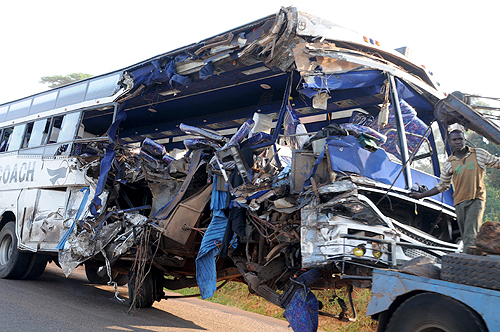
457, 140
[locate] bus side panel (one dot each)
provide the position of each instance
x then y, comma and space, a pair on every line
8, 202
42, 221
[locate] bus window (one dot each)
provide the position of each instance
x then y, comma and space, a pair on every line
27, 135
44, 102
96, 122
71, 95
19, 109
103, 87
3, 112
68, 127
5, 138
39, 133
422, 159
55, 129
16, 139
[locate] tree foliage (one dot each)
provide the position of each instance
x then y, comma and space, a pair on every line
491, 178
58, 80
492, 175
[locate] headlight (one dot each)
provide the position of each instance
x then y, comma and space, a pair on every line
359, 251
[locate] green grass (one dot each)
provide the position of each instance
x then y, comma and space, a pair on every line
235, 294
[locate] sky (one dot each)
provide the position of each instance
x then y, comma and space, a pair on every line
457, 40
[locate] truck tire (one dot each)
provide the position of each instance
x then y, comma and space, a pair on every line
93, 277
434, 312
35, 267
143, 295
12, 261
479, 271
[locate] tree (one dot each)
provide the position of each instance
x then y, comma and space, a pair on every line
492, 176
58, 80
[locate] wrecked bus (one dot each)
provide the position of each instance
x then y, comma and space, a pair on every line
279, 154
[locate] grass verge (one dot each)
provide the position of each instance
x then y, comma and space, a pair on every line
235, 294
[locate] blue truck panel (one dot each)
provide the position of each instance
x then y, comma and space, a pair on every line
389, 285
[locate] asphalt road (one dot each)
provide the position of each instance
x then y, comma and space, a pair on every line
56, 303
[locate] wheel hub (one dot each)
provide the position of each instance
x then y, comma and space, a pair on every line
433, 327
6, 247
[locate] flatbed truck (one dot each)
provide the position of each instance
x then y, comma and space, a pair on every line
403, 302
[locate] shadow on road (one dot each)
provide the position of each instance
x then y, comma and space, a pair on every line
57, 303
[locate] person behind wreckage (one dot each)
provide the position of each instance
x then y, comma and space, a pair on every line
466, 166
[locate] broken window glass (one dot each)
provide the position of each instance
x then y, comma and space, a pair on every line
103, 87
96, 122
422, 159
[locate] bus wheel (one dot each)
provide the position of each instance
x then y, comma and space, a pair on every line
144, 291
35, 267
91, 269
121, 279
13, 262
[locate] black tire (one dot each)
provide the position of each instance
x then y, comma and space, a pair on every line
434, 312
93, 277
144, 294
35, 267
479, 271
91, 269
120, 279
12, 261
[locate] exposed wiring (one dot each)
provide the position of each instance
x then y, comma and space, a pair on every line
138, 270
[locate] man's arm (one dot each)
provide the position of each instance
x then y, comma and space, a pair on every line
487, 158
443, 185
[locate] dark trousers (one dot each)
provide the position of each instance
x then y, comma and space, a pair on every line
470, 218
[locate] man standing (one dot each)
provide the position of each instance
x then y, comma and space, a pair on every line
466, 166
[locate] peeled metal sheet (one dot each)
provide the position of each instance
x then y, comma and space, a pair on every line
452, 110
187, 213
